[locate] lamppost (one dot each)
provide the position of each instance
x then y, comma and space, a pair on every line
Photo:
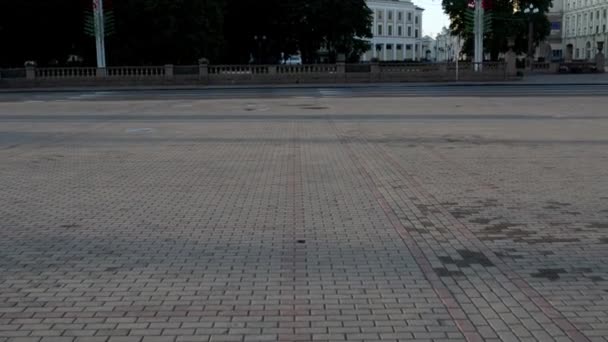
530, 12
260, 40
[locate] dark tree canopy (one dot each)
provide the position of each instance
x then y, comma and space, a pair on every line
507, 22
159, 32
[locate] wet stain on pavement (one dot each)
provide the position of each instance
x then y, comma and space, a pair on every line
549, 273
444, 272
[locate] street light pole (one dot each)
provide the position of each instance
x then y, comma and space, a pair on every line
479, 14
99, 33
530, 11
530, 43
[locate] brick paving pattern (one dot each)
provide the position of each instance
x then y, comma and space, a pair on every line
140, 226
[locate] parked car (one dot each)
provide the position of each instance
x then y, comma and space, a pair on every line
293, 60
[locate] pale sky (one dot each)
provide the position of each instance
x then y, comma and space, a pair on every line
433, 19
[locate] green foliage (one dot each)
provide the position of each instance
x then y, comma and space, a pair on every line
182, 31
110, 22
501, 22
90, 27
89, 23
294, 26
42, 30
487, 22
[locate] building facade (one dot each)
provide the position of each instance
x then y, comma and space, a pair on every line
397, 31
428, 49
552, 48
447, 46
585, 24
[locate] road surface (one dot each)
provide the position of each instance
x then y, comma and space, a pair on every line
379, 90
313, 214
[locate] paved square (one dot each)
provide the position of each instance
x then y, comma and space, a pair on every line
304, 219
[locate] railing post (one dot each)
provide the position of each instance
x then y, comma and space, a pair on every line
374, 71
203, 72
341, 71
554, 68
169, 71
30, 72
600, 59
510, 64
101, 73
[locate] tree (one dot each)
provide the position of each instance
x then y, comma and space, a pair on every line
507, 22
292, 26
340, 26
40, 30
183, 31
166, 31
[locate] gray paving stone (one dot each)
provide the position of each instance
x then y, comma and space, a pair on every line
329, 226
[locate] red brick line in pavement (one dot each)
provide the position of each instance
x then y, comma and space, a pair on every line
534, 296
464, 325
292, 260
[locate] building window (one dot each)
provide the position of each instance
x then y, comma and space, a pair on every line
416, 20
380, 15
416, 35
390, 15
408, 47
379, 29
400, 31
409, 16
399, 47
390, 30
378, 47
389, 46
409, 31
400, 16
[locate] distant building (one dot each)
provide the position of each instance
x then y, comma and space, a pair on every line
397, 31
552, 48
584, 25
446, 46
428, 49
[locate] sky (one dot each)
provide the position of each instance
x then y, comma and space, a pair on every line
433, 19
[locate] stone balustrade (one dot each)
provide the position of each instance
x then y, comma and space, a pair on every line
262, 74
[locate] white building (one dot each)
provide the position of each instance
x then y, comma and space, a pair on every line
552, 48
446, 46
428, 49
585, 23
397, 31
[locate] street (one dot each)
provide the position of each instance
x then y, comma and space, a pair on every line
591, 89
369, 213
